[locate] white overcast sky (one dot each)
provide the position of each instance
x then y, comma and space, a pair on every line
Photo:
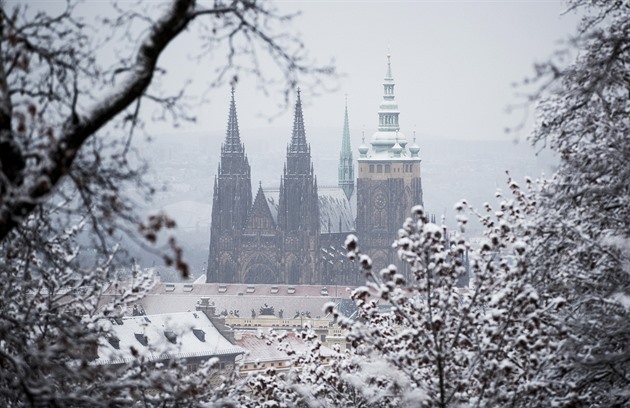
454, 63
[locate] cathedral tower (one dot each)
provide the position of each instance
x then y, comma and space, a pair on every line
346, 165
388, 183
231, 203
298, 207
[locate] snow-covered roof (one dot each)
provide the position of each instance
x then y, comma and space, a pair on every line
333, 206
388, 155
161, 337
261, 350
273, 200
179, 297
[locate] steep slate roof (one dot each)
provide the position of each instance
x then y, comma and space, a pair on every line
273, 200
147, 335
333, 206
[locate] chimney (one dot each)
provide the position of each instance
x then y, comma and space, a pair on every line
209, 309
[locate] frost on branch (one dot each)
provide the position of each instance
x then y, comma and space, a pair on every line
483, 345
584, 208
71, 182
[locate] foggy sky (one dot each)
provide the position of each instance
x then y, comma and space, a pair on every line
454, 63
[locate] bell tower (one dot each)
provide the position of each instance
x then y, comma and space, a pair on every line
388, 183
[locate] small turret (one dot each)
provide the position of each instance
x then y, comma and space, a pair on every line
363, 149
397, 149
414, 149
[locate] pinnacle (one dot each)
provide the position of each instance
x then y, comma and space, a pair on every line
388, 75
346, 150
232, 138
298, 138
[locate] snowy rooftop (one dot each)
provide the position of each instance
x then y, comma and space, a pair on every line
333, 208
163, 336
273, 200
179, 297
386, 155
261, 350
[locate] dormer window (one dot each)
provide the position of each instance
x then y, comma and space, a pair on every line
200, 334
170, 336
114, 341
142, 339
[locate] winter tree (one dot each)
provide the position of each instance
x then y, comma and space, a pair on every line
550, 322
335, 377
581, 249
72, 93
428, 342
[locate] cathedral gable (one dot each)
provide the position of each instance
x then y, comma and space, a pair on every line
260, 218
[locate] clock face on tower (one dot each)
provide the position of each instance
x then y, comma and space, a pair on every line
380, 200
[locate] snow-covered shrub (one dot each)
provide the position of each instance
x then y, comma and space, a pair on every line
481, 345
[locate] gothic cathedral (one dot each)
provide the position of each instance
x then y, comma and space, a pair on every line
295, 235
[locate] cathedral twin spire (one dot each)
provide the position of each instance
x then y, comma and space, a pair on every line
298, 137
233, 138
298, 151
232, 198
298, 207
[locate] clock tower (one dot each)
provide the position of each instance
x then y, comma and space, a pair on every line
388, 183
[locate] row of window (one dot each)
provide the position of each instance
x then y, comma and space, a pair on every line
246, 366
278, 364
388, 120
387, 168
272, 325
